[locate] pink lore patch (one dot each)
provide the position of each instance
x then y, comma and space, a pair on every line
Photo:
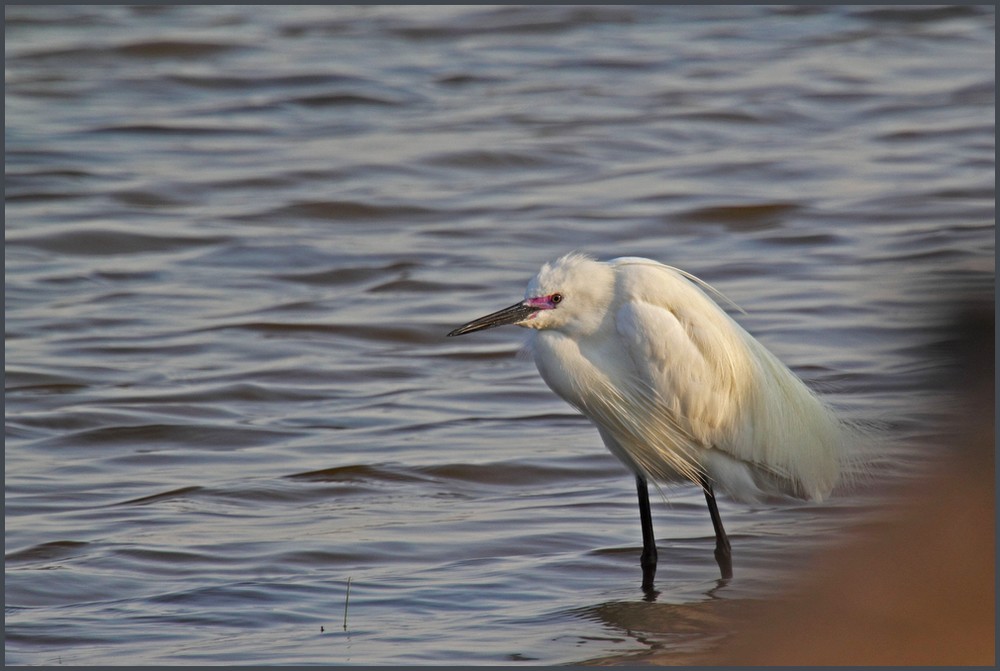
540, 302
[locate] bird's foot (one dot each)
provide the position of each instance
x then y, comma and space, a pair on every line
647, 560
724, 557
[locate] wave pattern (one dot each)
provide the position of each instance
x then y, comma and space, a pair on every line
235, 239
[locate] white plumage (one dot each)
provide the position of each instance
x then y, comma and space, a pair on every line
677, 389
676, 384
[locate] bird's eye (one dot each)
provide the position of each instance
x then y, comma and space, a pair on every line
556, 298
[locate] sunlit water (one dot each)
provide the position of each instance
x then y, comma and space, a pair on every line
235, 239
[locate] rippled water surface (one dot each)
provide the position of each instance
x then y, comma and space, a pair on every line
235, 239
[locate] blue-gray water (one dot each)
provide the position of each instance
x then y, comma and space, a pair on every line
235, 239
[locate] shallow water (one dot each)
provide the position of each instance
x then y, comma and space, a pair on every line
235, 238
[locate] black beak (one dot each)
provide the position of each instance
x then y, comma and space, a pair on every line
512, 315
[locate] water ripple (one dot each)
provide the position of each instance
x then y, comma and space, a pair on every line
236, 239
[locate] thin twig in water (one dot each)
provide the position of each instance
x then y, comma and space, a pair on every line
346, 600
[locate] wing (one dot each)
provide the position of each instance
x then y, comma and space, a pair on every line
683, 388
681, 364
705, 384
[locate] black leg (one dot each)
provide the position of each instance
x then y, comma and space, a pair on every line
648, 558
723, 553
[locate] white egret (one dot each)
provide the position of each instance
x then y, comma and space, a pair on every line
677, 389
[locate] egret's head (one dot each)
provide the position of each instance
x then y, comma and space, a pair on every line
571, 293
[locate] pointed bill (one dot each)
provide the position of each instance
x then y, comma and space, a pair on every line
513, 315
